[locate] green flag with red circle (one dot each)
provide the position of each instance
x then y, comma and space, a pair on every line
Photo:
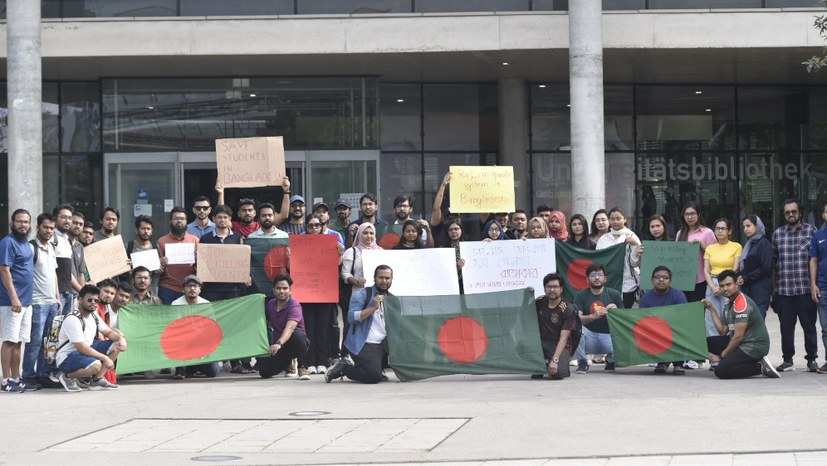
658, 334
572, 263
487, 333
159, 337
269, 257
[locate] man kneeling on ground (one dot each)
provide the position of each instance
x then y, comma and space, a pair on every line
79, 353
288, 338
557, 320
742, 347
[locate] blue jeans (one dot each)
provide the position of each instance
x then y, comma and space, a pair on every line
34, 363
822, 317
594, 343
167, 296
68, 301
718, 302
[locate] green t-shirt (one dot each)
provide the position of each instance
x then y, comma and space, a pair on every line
756, 342
587, 302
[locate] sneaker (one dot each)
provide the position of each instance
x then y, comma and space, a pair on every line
599, 358
610, 366
292, 371
691, 365
237, 369
536, 376
713, 366
47, 382
812, 366
786, 366
767, 369
83, 382
321, 369
661, 368
102, 384
31, 385
227, 367
582, 367
70, 384
13, 386
336, 371
180, 373
304, 374
822, 369
311, 370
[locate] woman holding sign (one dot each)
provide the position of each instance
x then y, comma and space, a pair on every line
352, 272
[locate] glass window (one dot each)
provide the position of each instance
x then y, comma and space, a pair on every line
771, 117
814, 186
460, 117
552, 181
682, 4
51, 182
51, 120
400, 112
119, 8
348, 7
80, 117
563, 5
814, 131
236, 7
430, 6
82, 183
402, 174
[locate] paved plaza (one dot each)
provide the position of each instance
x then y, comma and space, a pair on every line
630, 417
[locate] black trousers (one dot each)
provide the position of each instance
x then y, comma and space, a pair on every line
802, 308
317, 324
334, 335
295, 347
563, 369
737, 364
367, 365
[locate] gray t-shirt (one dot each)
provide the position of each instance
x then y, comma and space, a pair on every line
45, 276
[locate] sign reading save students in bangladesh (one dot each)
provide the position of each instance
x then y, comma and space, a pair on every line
680, 256
572, 263
492, 333
506, 265
658, 334
477, 189
250, 162
269, 258
176, 336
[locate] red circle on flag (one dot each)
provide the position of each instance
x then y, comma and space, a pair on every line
389, 240
653, 335
191, 337
275, 262
576, 273
463, 339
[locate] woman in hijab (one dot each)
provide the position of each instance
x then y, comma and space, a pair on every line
352, 272
756, 263
537, 228
557, 226
492, 231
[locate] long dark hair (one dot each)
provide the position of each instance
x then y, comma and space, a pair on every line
416, 244
593, 231
583, 222
647, 235
684, 233
462, 230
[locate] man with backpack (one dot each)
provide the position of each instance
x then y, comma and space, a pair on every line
560, 328
79, 353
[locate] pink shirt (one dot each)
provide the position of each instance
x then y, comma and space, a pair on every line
706, 237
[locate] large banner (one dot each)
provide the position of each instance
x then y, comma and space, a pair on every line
416, 272
680, 256
506, 265
482, 189
106, 259
315, 268
223, 263
572, 263
250, 162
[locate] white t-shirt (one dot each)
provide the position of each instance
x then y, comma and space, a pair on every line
377, 332
183, 300
72, 331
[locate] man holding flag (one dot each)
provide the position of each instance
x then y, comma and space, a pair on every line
662, 294
596, 301
557, 321
742, 347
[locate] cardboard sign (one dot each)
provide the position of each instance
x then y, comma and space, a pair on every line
148, 259
250, 162
507, 265
106, 259
315, 268
416, 272
482, 189
680, 256
223, 263
180, 253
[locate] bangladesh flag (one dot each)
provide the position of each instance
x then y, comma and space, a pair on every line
387, 236
572, 263
487, 333
174, 336
658, 334
268, 259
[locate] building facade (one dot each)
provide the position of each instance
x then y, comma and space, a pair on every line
709, 104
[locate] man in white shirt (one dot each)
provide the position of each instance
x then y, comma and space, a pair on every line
192, 295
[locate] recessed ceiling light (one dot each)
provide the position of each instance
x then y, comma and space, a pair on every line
568, 105
542, 86
252, 95
400, 100
505, 63
699, 92
151, 108
707, 109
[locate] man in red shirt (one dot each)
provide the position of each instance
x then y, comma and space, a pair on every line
177, 262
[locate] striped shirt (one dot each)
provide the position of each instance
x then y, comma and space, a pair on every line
790, 249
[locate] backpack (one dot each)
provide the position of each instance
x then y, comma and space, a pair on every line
52, 338
35, 249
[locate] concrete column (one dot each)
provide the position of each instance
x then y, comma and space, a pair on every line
586, 98
513, 105
25, 101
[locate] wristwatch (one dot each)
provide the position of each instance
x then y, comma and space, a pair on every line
555, 359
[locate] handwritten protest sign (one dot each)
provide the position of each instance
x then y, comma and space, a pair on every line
506, 265
315, 268
416, 272
106, 259
148, 259
179, 253
680, 256
482, 189
250, 162
223, 263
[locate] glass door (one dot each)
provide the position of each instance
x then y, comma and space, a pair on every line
343, 174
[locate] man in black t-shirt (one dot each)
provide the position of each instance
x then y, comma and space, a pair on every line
557, 320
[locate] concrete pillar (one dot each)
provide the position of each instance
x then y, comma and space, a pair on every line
513, 112
586, 98
23, 71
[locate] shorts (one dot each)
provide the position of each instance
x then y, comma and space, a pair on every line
76, 361
16, 326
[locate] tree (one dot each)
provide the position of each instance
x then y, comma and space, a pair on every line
815, 63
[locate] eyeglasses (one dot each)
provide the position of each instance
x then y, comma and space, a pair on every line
553, 287
202, 208
65, 217
597, 275
690, 214
314, 225
93, 300
661, 278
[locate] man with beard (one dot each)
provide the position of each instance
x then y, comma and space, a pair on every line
791, 286
87, 234
144, 229
141, 283
172, 275
402, 208
223, 234
110, 217
121, 299
79, 273
519, 223
247, 209
17, 275
64, 254
339, 225
267, 219
321, 209
596, 301
368, 206
296, 224
202, 224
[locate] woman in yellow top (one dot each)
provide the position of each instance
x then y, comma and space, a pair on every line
719, 256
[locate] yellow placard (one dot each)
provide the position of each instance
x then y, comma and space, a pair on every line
223, 263
482, 189
106, 259
250, 162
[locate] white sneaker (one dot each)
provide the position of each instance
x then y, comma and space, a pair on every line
321, 369
292, 371
70, 384
102, 384
691, 365
311, 370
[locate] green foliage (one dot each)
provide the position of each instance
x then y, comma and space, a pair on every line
815, 63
